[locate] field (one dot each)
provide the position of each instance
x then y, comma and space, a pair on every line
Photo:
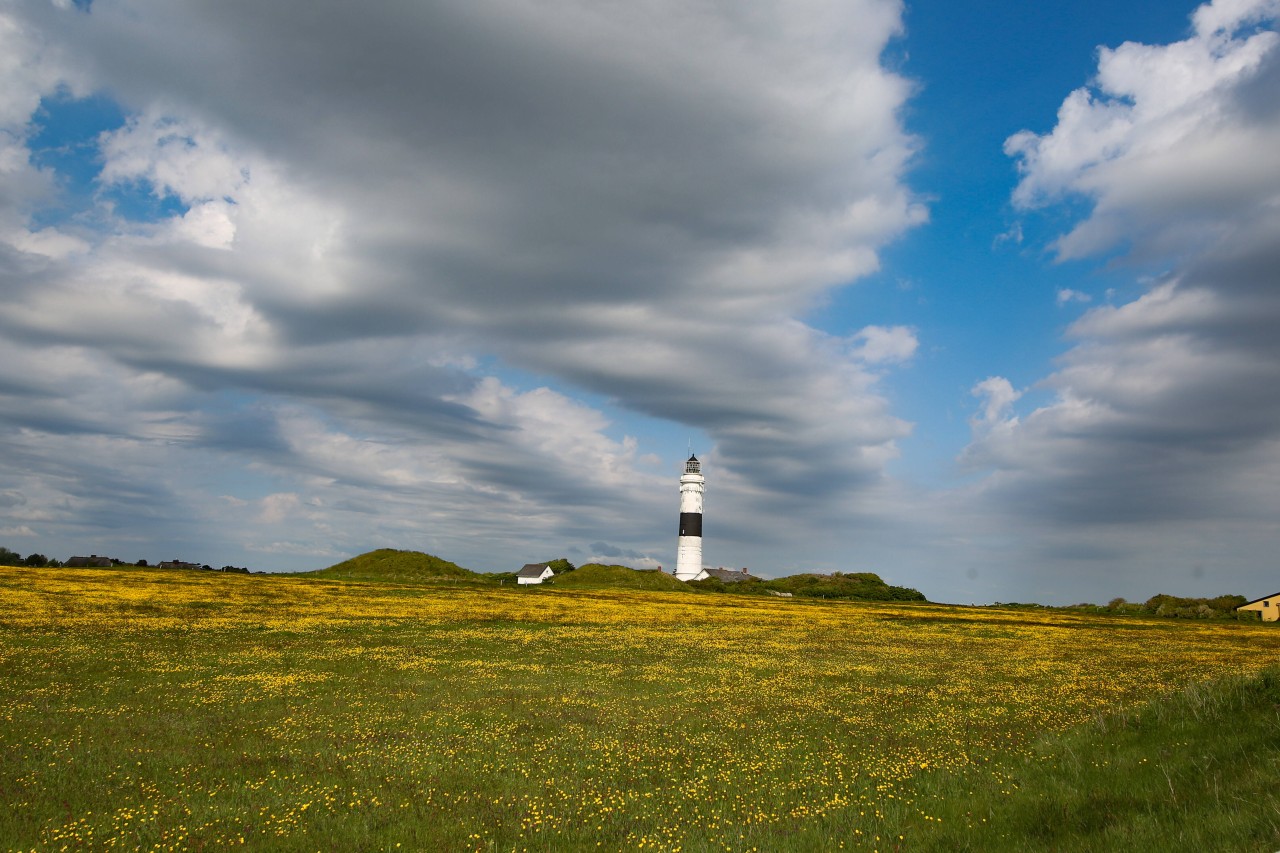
182, 710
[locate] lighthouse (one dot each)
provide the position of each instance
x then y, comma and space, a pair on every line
689, 547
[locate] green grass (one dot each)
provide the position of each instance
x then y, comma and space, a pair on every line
597, 576
190, 710
1195, 770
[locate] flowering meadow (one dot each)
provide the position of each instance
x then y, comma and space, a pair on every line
165, 710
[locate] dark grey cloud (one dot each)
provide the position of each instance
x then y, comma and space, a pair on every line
1169, 406
604, 549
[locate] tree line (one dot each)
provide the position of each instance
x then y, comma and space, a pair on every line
13, 558
9, 557
1171, 606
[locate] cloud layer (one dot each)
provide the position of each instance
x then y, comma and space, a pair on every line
291, 298
1161, 445
284, 282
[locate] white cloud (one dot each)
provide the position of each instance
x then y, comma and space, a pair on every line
998, 396
886, 344
49, 243
1225, 16
278, 507
30, 65
1165, 140
29, 68
174, 155
1066, 296
1012, 235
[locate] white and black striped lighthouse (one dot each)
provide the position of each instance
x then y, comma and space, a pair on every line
689, 547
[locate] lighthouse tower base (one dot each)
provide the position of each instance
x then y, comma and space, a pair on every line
689, 559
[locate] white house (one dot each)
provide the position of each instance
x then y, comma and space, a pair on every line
534, 573
1268, 606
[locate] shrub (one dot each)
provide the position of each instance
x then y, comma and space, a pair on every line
1223, 606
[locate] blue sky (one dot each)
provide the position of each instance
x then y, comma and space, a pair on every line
977, 297
984, 72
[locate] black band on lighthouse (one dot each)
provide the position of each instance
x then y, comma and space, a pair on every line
690, 524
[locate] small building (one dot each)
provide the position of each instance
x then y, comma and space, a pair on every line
534, 573
1268, 606
726, 575
178, 564
93, 561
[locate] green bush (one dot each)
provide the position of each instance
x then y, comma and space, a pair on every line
861, 586
1221, 607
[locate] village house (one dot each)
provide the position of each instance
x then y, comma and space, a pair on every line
93, 561
726, 575
178, 564
534, 573
1268, 606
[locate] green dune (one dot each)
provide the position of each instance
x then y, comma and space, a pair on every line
618, 577
392, 566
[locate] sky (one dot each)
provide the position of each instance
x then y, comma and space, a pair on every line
983, 298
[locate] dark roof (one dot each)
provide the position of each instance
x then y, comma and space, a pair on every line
89, 562
692, 458
532, 570
178, 564
1256, 600
728, 575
